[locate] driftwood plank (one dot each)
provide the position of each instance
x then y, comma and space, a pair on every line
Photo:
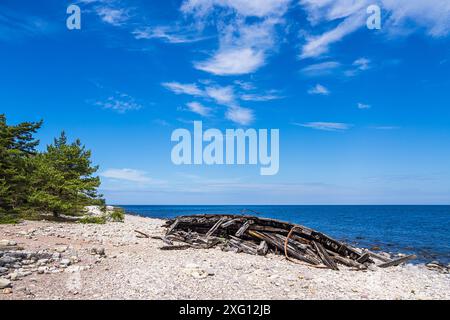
279, 244
230, 222
364, 258
378, 256
326, 259
349, 262
263, 248
173, 226
244, 228
142, 234
181, 247
215, 227
398, 261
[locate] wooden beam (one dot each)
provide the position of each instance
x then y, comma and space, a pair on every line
215, 227
398, 261
173, 226
244, 228
364, 258
326, 259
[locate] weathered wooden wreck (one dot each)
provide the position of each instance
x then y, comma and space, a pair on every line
259, 236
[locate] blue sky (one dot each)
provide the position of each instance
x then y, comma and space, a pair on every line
363, 114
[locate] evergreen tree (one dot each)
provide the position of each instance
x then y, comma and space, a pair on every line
17, 147
62, 180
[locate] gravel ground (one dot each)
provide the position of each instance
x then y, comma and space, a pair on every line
135, 268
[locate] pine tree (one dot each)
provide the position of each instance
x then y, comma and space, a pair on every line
17, 147
63, 181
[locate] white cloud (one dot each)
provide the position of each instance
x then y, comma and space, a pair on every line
318, 45
120, 102
319, 89
362, 63
180, 88
167, 34
363, 106
358, 66
239, 115
198, 108
399, 17
322, 68
433, 16
126, 175
385, 127
222, 95
233, 62
115, 17
254, 8
325, 126
260, 97
245, 85
244, 44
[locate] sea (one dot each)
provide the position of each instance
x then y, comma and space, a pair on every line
420, 230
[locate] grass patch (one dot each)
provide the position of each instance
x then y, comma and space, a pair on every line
92, 220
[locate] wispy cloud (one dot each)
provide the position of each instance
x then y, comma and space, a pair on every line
385, 127
112, 12
181, 88
431, 16
325, 126
362, 63
239, 115
260, 9
320, 69
198, 108
222, 95
119, 102
318, 45
168, 34
319, 89
358, 66
115, 17
260, 97
126, 175
14, 26
244, 85
233, 62
363, 106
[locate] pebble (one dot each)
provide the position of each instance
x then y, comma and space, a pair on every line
65, 262
42, 270
4, 283
98, 251
56, 255
7, 291
61, 249
13, 276
4, 242
197, 272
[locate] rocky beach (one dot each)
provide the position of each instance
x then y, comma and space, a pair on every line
49, 260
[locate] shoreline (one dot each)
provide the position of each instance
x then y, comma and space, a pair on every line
110, 261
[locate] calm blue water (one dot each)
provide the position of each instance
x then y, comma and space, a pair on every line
422, 230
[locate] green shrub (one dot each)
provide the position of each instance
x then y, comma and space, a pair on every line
8, 218
93, 220
117, 215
